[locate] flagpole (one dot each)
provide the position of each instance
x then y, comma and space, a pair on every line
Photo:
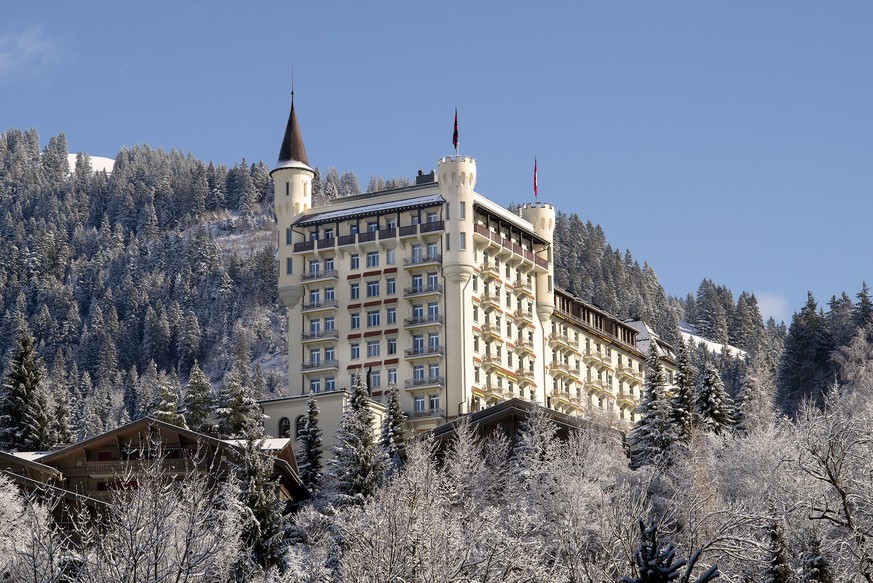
455, 141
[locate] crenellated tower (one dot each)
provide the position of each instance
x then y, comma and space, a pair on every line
457, 179
542, 217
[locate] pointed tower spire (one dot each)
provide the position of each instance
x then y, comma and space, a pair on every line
292, 149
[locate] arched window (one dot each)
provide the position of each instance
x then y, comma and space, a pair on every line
299, 426
284, 427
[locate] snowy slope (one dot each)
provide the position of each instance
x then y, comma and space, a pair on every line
98, 163
689, 332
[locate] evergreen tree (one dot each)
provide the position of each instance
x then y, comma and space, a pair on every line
198, 400
39, 426
309, 456
864, 309
21, 405
683, 399
355, 469
659, 565
713, 405
805, 368
392, 437
238, 411
655, 434
756, 398
778, 570
815, 568
166, 407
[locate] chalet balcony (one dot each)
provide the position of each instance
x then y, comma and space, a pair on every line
424, 352
319, 365
423, 290
319, 335
424, 320
318, 275
425, 383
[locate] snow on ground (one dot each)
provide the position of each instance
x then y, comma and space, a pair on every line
98, 163
689, 332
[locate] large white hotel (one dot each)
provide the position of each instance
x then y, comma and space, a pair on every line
442, 292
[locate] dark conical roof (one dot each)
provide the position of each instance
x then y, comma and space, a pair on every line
292, 149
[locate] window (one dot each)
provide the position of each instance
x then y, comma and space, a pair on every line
313, 235
330, 384
289, 238
355, 291
315, 355
314, 385
433, 311
392, 315
432, 281
373, 259
299, 426
314, 327
288, 269
508, 271
328, 234
431, 217
391, 256
373, 318
448, 242
329, 323
314, 266
285, 426
475, 344
433, 403
463, 213
328, 294
329, 264
416, 254
418, 372
418, 311
433, 370
391, 285
356, 320
314, 297
475, 313
353, 229
462, 241
375, 379
476, 375
418, 343
392, 346
419, 406
372, 289
509, 328
433, 340
432, 251
508, 300
329, 353
355, 261
475, 283
373, 348
356, 350
390, 224
392, 376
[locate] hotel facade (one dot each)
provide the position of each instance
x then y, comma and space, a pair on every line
438, 290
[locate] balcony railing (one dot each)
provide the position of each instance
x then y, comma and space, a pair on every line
491, 330
489, 300
330, 273
387, 234
523, 287
431, 288
423, 320
488, 270
320, 305
424, 351
318, 364
432, 226
304, 246
425, 382
524, 346
422, 413
319, 334
422, 259
346, 239
366, 236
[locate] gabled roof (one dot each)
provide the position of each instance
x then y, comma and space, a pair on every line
17, 464
292, 149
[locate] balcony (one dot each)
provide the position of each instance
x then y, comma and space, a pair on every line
409, 231
490, 362
425, 382
488, 271
347, 239
317, 275
424, 351
524, 347
317, 306
419, 260
523, 318
428, 320
557, 368
627, 398
556, 339
319, 335
523, 288
491, 331
561, 396
432, 226
423, 290
489, 301
366, 236
596, 386
424, 413
320, 365
387, 234
327, 243
631, 374
524, 376
304, 246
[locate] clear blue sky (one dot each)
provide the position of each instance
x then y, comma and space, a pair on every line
725, 140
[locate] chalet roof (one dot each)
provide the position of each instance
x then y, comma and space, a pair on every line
9, 461
292, 149
375, 208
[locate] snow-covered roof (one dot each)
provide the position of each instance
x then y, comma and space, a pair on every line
498, 210
270, 444
30, 456
373, 209
645, 335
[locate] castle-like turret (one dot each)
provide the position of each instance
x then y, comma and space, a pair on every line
457, 178
542, 217
292, 189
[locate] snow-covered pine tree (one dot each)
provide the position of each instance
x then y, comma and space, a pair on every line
166, 407
778, 570
756, 398
805, 368
655, 435
714, 408
355, 470
392, 437
198, 401
238, 408
19, 396
864, 309
683, 414
815, 568
309, 451
656, 564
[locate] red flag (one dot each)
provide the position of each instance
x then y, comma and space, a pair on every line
455, 135
535, 176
